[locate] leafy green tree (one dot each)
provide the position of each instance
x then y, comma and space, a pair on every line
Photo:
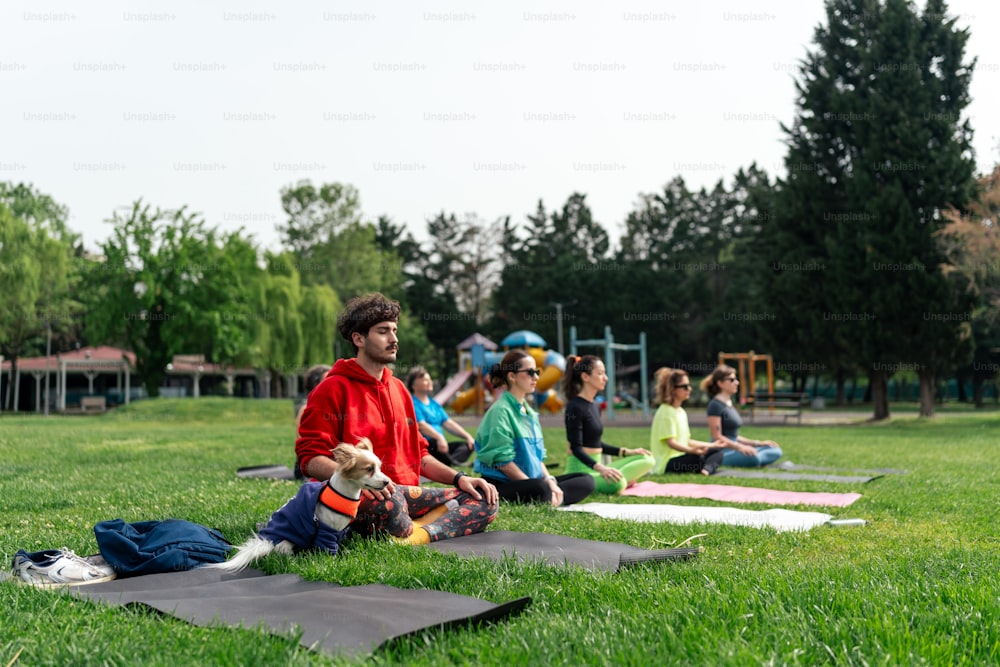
169, 284
315, 215
320, 306
396, 241
279, 323
38, 210
352, 264
464, 261
37, 273
877, 150
332, 245
970, 242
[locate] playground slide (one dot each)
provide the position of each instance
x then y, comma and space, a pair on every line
550, 376
467, 399
552, 403
452, 386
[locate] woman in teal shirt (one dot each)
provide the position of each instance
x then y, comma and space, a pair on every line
510, 451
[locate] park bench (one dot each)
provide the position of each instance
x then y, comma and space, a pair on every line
786, 404
94, 404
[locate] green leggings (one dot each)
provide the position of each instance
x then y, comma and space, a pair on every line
632, 467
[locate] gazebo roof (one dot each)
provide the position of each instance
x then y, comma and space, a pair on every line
111, 358
96, 357
476, 339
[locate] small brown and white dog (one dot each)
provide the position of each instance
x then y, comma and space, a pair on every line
318, 515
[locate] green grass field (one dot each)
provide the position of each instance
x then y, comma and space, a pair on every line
917, 585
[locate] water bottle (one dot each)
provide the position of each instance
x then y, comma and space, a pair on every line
846, 522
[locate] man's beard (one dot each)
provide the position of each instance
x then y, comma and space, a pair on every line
382, 356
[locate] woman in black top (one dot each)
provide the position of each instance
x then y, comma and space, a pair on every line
585, 377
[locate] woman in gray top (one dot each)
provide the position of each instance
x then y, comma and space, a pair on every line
724, 422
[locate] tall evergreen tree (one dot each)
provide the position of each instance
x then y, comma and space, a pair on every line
557, 257
877, 150
691, 245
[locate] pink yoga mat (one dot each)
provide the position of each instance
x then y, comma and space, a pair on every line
741, 494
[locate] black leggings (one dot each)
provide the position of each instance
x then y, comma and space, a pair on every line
575, 487
458, 453
694, 463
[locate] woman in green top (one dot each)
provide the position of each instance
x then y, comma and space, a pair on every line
670, 438
510, 452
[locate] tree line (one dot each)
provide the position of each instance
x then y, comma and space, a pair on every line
875, 254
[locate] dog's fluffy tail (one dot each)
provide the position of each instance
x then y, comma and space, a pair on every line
248, 552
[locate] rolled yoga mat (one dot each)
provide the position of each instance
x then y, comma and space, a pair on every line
266, 472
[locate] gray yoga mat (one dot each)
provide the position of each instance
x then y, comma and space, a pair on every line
342, 620
557, 550
266, 472
795, 476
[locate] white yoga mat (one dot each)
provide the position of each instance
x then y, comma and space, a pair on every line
778, 519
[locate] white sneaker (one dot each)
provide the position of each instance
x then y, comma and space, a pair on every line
60, 567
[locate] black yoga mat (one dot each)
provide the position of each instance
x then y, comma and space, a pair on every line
556, 550
266, 472
795, 476
342, 620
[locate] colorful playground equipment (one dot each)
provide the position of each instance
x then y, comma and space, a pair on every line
476, 354
609, 346
746, 368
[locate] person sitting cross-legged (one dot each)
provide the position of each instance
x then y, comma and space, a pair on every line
585, 377
670, 435
360, 398
510, 451
433, 421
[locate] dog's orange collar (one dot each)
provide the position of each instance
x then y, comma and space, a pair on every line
338, 502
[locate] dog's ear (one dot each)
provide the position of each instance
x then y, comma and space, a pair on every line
343, 454
364, 443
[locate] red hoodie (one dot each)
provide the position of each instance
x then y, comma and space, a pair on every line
350, 404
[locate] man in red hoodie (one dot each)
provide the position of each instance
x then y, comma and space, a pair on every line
360, 397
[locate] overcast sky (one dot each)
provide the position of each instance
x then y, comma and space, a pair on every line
455, 106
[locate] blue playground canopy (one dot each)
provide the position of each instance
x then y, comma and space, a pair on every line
523, 338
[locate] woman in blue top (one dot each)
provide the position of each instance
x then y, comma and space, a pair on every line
724, 422
585, 378
433, 421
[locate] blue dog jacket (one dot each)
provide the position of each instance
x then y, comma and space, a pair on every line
296, 521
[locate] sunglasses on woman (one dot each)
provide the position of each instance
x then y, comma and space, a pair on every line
533, 372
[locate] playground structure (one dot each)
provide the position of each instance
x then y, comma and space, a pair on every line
476, 354
609, 346
746, 367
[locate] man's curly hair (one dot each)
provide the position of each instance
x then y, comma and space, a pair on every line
363, 312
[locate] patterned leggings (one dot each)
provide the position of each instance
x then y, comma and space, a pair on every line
465, 515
